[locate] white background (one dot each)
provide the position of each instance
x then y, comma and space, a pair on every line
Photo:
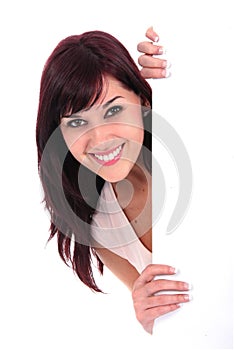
43, 305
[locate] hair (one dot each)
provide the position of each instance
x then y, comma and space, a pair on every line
72, 80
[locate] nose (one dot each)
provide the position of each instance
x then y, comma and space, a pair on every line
99, 136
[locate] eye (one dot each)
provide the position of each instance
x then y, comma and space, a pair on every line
113, 111
76, 123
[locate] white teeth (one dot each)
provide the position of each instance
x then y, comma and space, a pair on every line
110, 156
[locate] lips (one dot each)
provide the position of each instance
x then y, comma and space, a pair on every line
108, 157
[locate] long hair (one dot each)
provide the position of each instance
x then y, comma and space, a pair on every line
72, 80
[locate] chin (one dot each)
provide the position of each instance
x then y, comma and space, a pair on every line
114, 176
112, 179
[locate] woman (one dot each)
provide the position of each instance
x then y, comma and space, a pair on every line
94, 155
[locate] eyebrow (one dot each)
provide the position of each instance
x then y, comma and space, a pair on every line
110, 101
103, 107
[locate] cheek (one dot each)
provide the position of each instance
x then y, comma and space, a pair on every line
134, 128
134, 134
139, 135
77, 148
74, 140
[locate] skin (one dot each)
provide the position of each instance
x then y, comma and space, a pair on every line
98, 134
115, 121
152, 66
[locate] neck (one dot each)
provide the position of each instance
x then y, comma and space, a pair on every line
139, 173
138, 177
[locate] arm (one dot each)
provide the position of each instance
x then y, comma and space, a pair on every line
152, 66
119, 266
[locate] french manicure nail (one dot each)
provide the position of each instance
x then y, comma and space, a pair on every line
168, 64
188, 297
187, 285
174, 270
166, 73
162, 50
190, 286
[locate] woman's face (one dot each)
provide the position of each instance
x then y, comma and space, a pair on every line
107, 138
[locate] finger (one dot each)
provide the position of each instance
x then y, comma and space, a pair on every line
154, 73
153, 313
149, 48
166, 299
151, 271
161, 310
156, 286
147, 61
162, 285
151, 34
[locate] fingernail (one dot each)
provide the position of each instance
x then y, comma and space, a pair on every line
162, 50
166, 73
187, 285
174, 269
190, 286
156, 38
188, 297
166, 64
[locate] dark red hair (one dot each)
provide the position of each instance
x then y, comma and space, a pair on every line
72, 80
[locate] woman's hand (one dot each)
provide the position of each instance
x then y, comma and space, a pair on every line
152, 67
147, 303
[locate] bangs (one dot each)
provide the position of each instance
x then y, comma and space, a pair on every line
78, 79
74, 77
82, 90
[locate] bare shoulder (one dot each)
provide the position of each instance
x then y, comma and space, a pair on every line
119, 266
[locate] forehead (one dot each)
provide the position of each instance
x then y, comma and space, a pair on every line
107, 90
112, 88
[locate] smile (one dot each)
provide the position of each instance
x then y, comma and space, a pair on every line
110, 157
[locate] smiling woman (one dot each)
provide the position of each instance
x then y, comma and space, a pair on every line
94, 154
107, 138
